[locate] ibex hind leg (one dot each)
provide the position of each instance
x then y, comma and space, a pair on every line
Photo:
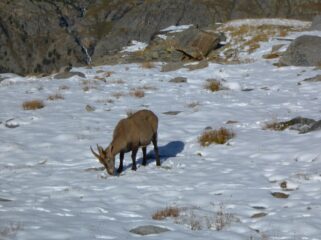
154, 140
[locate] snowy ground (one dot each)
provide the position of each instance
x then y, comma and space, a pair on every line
50, 187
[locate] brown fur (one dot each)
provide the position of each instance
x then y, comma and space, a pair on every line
138, 130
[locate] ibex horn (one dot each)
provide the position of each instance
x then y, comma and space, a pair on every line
96, 155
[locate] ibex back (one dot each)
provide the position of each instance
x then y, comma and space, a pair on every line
138, 130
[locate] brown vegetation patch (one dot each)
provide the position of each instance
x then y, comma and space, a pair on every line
165, 213
220, 136
147, 65
271, 55
213, 85
138, 93
276, 126
118, 94
33, 105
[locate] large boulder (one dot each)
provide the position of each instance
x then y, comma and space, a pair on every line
316, 23
303, 51
197, 44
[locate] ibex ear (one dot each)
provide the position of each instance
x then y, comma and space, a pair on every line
111, 149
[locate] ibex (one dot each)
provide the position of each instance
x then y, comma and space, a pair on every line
138, 130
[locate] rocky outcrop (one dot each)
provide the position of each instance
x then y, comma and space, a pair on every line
42, 36
303, 51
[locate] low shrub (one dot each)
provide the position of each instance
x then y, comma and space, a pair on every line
220, 136
33, 105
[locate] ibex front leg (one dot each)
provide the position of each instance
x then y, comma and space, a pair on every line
121, 159
134, 153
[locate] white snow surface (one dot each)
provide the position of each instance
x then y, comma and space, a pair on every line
49, 188
179, 28
269, 21
135, 46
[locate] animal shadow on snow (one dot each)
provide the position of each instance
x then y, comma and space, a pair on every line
169, 150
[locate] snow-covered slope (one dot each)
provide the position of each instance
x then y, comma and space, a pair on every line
51, 187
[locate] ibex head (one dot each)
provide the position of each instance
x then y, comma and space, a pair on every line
105, 158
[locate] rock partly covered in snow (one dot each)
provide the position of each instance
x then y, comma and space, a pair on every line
303, 51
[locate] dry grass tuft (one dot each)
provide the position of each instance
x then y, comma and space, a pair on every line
193, 104
223, 219
213, 85
276, 126
220, 136
56, 96
138, 93
271, 56
9, 231
165, 213
33, 105
118, 94
148, 65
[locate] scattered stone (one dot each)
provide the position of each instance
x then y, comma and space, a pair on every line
90, 108
279, 195
178, 80
172, 113
259, 207
148, 230
259, 215
231, 122
199, 65
65, 75
303, 51
313, 79
247, 89
10, 123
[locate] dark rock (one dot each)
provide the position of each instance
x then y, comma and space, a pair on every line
148, 230
301, 124
178, 80
316, 23
65, 75
5, 200
173, 113
11, 123
90, 108
259, 215
313, 79
279, 195
303, 51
